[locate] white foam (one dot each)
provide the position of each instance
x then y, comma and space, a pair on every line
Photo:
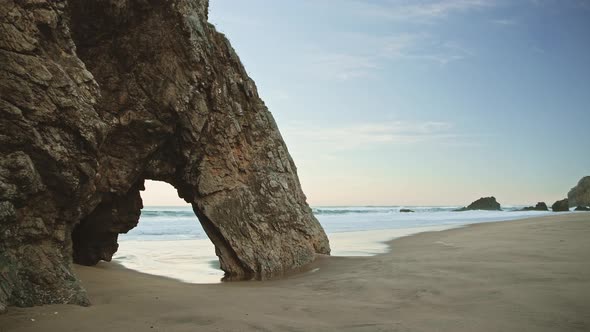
191, 261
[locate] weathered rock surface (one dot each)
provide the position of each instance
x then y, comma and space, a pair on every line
580, 194
541, 206
98, 95
560, 206
582, 208
484, 203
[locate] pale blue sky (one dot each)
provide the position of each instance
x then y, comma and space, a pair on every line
422, 102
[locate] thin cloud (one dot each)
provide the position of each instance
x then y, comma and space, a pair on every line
382, 50
422, 12
379, 51
370, 134
344, 66
505, 22
442, 53
398, 45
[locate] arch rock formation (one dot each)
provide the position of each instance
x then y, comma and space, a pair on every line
97, 96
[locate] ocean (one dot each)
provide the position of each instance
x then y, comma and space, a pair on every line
170, 242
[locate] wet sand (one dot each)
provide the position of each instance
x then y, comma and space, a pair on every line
526, 275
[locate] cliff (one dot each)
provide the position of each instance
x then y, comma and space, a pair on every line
97, 96
580, 194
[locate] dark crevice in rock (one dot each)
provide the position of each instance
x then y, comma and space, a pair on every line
95, 237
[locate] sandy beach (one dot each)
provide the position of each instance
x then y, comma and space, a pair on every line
525, 275
389, 165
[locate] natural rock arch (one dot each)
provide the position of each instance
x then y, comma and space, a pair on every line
98, 96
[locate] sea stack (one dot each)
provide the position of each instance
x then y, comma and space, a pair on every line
580, 194
560, 206
541, 206
98, 96
484, 203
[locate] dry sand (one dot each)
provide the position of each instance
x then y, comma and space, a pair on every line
526, 275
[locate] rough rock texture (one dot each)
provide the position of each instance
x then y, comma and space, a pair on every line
98, 95
560, 206
580, 194
541, 206
484, 203
582, 208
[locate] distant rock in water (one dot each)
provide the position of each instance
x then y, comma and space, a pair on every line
560, 206
580, 194
484, 203
541, 206
406, 210
582, 208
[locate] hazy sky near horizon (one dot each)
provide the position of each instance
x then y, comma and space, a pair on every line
387, 102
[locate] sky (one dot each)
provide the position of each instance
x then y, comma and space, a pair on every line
407, 102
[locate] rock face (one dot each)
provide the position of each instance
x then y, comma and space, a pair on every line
541, 206
484, 203
582, 208
580, 194
560, 206
97, 96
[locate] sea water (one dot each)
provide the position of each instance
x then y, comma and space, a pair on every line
169, 241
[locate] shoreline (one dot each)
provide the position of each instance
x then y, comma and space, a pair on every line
194, 260
526, 274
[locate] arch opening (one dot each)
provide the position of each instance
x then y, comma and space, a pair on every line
169, 239
150, 230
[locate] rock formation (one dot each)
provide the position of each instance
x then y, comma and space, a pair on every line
580, 194
582, 208
406, 210
98, 95
541, 206
484, 203
560, 206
